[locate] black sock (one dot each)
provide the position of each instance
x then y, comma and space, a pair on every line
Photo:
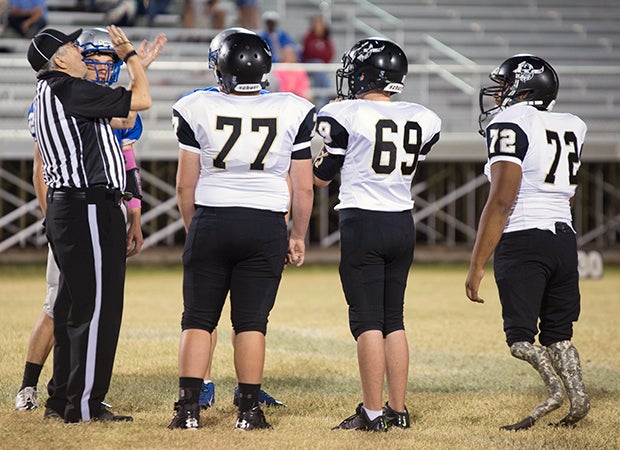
248, 396
31, 374
189, 389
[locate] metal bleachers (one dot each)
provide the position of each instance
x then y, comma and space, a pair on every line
452, 45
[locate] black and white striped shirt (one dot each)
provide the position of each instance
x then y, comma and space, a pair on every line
72, 125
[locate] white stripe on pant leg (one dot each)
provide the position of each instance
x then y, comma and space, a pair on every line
93, 329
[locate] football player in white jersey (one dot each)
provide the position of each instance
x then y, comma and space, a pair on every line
375, 144
533, 159
207, 391
236, 148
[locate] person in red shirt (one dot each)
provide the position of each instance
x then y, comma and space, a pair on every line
318, 47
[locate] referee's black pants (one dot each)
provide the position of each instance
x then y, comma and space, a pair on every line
87, 233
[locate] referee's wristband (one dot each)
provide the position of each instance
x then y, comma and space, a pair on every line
129, 55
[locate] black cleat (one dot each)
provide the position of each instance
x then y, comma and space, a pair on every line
361, 421
51, 413
186, 416
254, 419
564, 423
526, 423
395, 418
108, 416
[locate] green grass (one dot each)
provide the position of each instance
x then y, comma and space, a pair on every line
463, 383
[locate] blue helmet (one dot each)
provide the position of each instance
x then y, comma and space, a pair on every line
97, 41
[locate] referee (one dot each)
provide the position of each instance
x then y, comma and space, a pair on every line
85, 172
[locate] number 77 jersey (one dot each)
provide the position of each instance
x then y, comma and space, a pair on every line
245, 143
548, 148
376, 145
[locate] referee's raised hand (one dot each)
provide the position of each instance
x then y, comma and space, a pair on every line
120, 42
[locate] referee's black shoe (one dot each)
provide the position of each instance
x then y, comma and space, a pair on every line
51, 413
108, 416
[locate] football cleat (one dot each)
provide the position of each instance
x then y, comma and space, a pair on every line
26, 399
526, 423
254, 419
106, 415
207, 395
396, 419
186, 416
361, 421
51, 413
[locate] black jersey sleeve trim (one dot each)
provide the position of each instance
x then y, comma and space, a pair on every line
427, 147
327, 166
306, 128
184, 132
304, 153
506, 139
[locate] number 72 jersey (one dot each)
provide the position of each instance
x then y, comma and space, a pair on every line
548, 148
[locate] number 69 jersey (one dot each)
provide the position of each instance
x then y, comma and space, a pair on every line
245, 143
376, 146
548, 148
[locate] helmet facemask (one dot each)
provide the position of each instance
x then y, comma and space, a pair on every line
111, 69
345, 73
97, 41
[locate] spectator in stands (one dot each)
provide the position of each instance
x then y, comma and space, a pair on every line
215, 15
118, 12
318, 47
293, 80
247, 14
151, 9
27, 17
276, 38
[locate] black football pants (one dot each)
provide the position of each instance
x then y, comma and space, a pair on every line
538, 283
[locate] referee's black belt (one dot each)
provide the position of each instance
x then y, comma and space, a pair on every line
91, 195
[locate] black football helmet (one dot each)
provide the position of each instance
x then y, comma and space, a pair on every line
372, 64
522, 78
243, 62
216, 43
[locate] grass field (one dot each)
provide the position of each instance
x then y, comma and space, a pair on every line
463, 383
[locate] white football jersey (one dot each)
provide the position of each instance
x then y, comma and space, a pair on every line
382, 143
548, 147
245, 143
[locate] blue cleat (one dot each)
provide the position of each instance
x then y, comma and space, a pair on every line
207, 395
263, 399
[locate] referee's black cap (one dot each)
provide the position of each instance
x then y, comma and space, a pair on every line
44, 45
